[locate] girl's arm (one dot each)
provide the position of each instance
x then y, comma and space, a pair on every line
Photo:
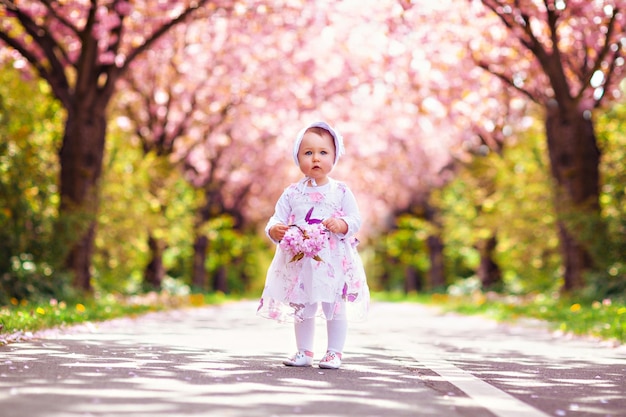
277, 232
282, 210
351, 215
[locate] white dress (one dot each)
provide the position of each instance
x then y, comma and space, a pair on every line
337, 278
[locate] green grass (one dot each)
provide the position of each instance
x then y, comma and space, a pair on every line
605, 319
29, 317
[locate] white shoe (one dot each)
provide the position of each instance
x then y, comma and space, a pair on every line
299, 359
332, 360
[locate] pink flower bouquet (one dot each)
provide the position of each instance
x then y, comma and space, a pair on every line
307, 240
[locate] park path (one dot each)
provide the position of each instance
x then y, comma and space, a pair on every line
405, 360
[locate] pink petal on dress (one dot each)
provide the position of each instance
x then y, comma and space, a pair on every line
346, 264
316, 197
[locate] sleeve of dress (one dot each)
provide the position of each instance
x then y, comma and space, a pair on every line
351, 216
282, 210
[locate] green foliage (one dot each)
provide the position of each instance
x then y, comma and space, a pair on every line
605, 319
609, 280
508, 196
403, 247
31, 124
28, 280
24, 315
238, 253
142, 195
145, 195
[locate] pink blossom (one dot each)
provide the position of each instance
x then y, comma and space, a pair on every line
333, 242
123, 8
304, 241
338, 213
107, 58
274, 314
345, 263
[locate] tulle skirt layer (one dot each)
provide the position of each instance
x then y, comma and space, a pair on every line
299, 289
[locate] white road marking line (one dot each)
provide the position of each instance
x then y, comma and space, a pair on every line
486, 395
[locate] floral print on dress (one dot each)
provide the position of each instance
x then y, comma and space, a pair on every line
316, 197
339, 280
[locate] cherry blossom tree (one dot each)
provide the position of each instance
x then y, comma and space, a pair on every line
82, 48
565, 56
215, 95
159, 98
568, 57
418, 128
177, 97
280, 71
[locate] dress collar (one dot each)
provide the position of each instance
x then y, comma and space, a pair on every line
302, 184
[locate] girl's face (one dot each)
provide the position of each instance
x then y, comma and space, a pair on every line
316, 156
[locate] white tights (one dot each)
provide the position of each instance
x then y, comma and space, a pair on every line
336, 329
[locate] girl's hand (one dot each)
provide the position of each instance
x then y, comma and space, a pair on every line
277, 232
336, 225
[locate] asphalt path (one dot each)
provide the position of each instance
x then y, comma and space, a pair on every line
405, 360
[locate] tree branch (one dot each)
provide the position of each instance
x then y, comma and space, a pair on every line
602, 54
55, 73
161, 31
86, 68
60, 18
115, 72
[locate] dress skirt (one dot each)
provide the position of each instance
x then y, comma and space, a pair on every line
335, 277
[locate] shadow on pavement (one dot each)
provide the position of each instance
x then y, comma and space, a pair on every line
569, 387
224, 361
104, 377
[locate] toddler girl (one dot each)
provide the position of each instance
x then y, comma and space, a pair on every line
316, 270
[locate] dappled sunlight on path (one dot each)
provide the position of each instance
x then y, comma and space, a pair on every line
90, 380
217, 361
562, 376
406, 360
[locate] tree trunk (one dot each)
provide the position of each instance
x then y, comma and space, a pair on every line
437, 276
81, 157
243, 275
155, 271
412, 281
575, 161
388, 263
488, 271
199, 276
220, 280
198, 273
